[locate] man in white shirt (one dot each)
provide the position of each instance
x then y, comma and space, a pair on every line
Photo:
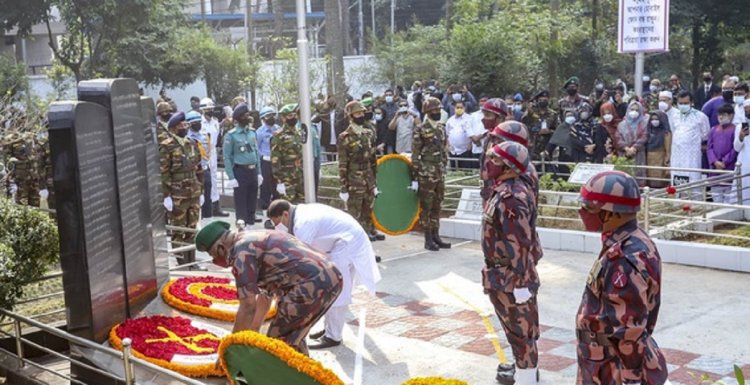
742, 146
210, 127
458, 128
477, 131
339, 235
690, 129
403, 123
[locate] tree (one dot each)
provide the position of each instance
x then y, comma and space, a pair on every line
335, 46
13, 79
412, 56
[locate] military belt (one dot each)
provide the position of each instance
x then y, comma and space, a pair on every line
247, 166
591, 338
185, 175
498, 262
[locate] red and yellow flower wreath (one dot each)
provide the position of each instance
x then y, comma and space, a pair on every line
175, 343
206, 296
434, 381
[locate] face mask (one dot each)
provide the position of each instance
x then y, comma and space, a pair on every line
517, 107
633, 115
655, 123
291, 122
360, 120
728, 95
684, 108
165, 117
457, 97
402, 109
652, 89
663, 106
208, 114
591, 222
543, 103
739, 100
488, 124
378, 117
368, 115
182, 132
281, 227
459, 111
494, 171
585, 115
570, 119
707, 80
270, 121
608, 118
747, 116
195, 127
435, 116
389, 99
572, 91
724, 121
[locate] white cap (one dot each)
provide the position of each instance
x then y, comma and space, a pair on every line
667, 94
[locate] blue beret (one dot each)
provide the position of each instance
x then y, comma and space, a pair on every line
240, 110
176, 119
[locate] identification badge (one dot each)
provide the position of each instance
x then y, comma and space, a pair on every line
595, 270
544, 124
243, 148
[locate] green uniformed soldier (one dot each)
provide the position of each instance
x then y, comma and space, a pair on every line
286, 156
357, 165
163, 112
23, 169
429, 158
179, 166
541, 121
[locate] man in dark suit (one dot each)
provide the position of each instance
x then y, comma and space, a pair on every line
706, 91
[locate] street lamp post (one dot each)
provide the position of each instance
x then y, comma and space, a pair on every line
304, 104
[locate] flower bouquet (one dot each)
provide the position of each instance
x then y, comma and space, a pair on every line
175, 343
210, 297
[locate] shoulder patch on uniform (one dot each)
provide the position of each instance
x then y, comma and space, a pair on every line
615, 251
619, 279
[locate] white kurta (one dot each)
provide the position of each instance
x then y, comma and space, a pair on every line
338, 234
743, 159
212, 129
688, 131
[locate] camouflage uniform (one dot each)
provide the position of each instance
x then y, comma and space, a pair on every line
621, 301
565, 104
23, 168
304, 280
535, 119
429, 158
286, 162
507, 228
357, 164
182, 180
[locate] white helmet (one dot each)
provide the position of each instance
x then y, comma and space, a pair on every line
206, 104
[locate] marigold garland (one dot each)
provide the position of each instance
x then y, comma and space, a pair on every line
163, 332
179, 294
281, 350
434, 381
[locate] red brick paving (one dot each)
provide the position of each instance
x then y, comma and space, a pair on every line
424, 333
466, 315
477, 330
691, 376
415, 306
554, 363
420, 319
545, 345
678, 357
481, 346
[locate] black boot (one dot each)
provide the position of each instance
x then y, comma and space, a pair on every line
429, 243
505, 374
378, 236
438, 241
217, 210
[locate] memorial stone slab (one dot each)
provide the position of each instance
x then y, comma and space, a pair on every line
584, 171
470, 205
122, 98
88, 219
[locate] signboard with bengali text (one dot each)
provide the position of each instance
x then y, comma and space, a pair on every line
643, 26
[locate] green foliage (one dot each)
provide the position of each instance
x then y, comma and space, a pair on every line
280, 83
548, 182
416, 54
29, 245
61, 80
13, 79
624, 164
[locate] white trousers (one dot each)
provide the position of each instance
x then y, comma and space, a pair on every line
334, 321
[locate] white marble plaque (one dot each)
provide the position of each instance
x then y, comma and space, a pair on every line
470, 205
584, 171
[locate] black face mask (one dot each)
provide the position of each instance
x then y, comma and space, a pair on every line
747, 116
572, 91
543, 103
707, 80
728, 96
165, 117
368, 115
436, 116
182, 132
208, 114
291, 121
360, 120
270, 121
195, 127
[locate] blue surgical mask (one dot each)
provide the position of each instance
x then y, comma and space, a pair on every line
739, 100
684, 108
402, 109
457, 97
389, 99
378, 117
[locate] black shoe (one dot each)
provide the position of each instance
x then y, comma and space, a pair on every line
315, 336
268, 225
258, 220
429, 243
505, 374
324, 343
439, 242
378, 259
372, 237
378, 236
217, 210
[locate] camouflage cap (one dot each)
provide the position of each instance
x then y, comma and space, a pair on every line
512, 154
497, 106
208, 235
513, 131
353, 107
431, 104
163, 107
613, 191
288, 109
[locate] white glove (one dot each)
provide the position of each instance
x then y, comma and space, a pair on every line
168, 204
13, 188
522, 295
281, 188
375, 191
344, 196
414, 186
44, 193
202, 200
260, 179
232, 183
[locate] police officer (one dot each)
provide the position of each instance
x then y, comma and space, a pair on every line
203, 142
620, 303
241, 163
302, 279
286, 156
180, 172
429, 158
495, 111
265, 132
509, 277
357, 167
542, 121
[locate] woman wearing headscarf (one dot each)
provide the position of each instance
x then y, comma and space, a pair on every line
561, 141
610, 119
658, 149
588, 138
631, 137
